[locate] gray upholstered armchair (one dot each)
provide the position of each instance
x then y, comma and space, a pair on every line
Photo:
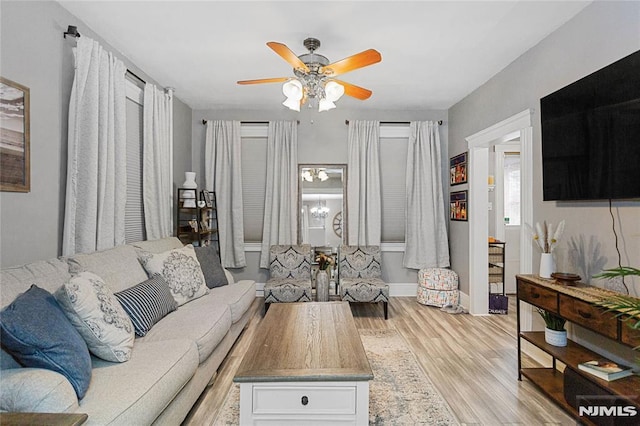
289, 275
361, 275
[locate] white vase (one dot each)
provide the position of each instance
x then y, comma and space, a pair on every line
555, 337
322, 286
547, 265
189, 196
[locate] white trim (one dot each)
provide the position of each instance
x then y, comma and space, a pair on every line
134, 92
478, 145
392, 247
252, 247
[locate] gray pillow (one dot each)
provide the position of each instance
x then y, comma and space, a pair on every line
38, 334
212, 270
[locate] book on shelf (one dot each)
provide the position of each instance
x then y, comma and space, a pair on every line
605, 369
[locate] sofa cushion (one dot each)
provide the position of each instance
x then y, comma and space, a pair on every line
147, 303
204, 321
36, 390
27, 331
160, 245
137, 391
238, 296
180, 268
118, 267
98, 316
48, 275
214, 274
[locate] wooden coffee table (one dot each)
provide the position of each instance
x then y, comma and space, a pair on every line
306, 363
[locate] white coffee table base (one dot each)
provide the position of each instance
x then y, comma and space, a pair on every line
311, 403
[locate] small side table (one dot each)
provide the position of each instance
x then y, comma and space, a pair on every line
49, 419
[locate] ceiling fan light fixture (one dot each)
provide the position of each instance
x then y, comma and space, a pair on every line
292, 104
292, 89
325, 105
333, 91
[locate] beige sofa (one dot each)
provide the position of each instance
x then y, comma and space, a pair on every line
170, 366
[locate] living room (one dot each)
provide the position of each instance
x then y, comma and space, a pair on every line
35, 54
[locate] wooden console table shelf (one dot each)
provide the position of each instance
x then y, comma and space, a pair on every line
575, 304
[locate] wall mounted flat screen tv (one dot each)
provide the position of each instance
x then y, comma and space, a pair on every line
591, 135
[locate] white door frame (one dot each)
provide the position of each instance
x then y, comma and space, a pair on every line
479, 144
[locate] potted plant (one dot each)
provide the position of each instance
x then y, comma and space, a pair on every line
625, 306
554, 332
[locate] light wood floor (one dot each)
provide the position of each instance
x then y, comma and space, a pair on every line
471, 360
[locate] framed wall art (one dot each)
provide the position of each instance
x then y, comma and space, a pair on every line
458, 169
15, 169
458, 207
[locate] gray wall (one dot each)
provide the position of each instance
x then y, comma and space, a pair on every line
322, 138
34, 53
601, 34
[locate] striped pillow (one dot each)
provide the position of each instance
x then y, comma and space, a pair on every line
147, 303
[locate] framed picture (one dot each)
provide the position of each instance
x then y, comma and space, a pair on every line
458, 169
207, 198
15, 168
458, 208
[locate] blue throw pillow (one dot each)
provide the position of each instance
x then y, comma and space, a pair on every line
147, 303
38, 334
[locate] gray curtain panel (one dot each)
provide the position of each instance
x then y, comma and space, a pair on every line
157, 176
363, 186
96, 192
223, 174
280, 225
427, 245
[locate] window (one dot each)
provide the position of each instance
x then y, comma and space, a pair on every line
254, 175
134, 212
393, 168
512, 188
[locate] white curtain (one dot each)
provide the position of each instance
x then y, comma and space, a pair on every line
363, 185
223, 174
96, 189
281, 190
427, 245
157, 176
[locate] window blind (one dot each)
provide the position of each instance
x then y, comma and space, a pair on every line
134, 212
254, 174
393, 166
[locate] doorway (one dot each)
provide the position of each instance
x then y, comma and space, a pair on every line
504, 206
517, 126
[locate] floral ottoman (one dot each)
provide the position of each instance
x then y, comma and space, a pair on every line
438, 287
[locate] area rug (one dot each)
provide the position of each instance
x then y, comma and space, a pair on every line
399, 394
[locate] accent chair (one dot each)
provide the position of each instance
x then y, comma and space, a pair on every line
360, 276
289, 275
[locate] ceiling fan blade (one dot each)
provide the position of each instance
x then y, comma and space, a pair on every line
355, 91
265, 80
288, 55
359, 60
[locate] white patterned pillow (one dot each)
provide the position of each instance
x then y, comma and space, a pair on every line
180, 269
98, 316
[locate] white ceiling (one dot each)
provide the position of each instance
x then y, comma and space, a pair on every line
434, 53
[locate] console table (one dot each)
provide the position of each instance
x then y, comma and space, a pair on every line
575, 304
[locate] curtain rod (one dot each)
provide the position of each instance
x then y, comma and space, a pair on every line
204, 122
394, 122
135, 76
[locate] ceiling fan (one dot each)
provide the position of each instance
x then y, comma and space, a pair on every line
314, 75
